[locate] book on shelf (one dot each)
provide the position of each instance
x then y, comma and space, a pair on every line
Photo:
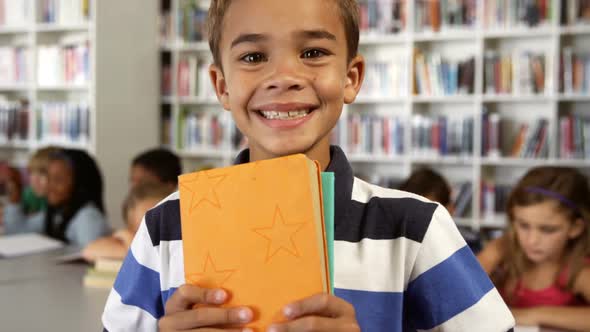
437, 76
386, 78
103, 273
493, 200
382, 17
504, 14
165, 25
372, 134
166, 80
519, 73
14, 120
63, 64
491, 134
574, 137
575, 12
193, 78
529, 141
574, 72
63, 122
14, 65
14, 13
191, 20
255, 228
444, 15
442, 136
63, 11
207, 131
462, 198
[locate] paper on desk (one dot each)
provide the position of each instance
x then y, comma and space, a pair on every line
523, 328
26, 244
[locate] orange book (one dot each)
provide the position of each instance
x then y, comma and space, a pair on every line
256, 230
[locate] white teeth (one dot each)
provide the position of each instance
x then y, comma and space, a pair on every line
272, 115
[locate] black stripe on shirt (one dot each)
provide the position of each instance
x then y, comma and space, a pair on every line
163, 222
385, 219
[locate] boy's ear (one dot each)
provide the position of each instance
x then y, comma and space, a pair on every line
218, 81
354, 78
578, 227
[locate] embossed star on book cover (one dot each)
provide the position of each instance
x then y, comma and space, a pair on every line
256, 230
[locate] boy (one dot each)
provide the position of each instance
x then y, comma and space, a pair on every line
157, 165
284, 69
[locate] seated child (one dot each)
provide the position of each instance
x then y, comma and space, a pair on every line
285, 69
430, 184
75, 211
542, 264
139, 200
32, 199
156, 165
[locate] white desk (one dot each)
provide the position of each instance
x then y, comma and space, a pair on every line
36, 294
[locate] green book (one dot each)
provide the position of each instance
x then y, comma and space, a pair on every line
328, 198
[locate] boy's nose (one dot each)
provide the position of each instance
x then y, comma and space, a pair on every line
286, 76
281, 82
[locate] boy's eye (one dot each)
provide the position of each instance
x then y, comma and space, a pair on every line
253, 58
313, 53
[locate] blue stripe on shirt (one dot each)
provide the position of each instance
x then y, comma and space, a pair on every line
139, 286
448, 288
369, 309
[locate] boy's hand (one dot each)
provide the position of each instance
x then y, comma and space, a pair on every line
181, 316
320, 312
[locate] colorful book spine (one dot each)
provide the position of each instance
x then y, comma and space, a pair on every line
64, 11
382, 17
202, 131
68, 64
506, 14
375, 135
574, 72
442, 136
63, 123
193, 78
575, 12
14, 65
386, 78
574, 137
522, 72
444, 15
191, 21
14, 121
437, 76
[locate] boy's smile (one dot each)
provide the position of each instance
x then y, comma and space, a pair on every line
285, 74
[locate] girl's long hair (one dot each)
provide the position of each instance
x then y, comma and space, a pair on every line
87, 188
568, 188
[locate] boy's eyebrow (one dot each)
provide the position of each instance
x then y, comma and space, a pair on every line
248, 38
316, 34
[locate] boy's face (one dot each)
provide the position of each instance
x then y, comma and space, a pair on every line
38, 181
285, 74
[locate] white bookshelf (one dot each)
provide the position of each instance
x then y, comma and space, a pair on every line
122, 86
453, 43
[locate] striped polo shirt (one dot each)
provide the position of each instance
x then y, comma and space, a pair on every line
398, 259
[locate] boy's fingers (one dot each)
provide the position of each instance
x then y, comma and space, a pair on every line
186, 296
320, 305
206, 317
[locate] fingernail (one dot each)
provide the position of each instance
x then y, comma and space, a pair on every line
272, 328
247, 330
288, 311
245, 315
219, 296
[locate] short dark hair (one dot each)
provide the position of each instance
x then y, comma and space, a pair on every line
426, 182
163, 163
